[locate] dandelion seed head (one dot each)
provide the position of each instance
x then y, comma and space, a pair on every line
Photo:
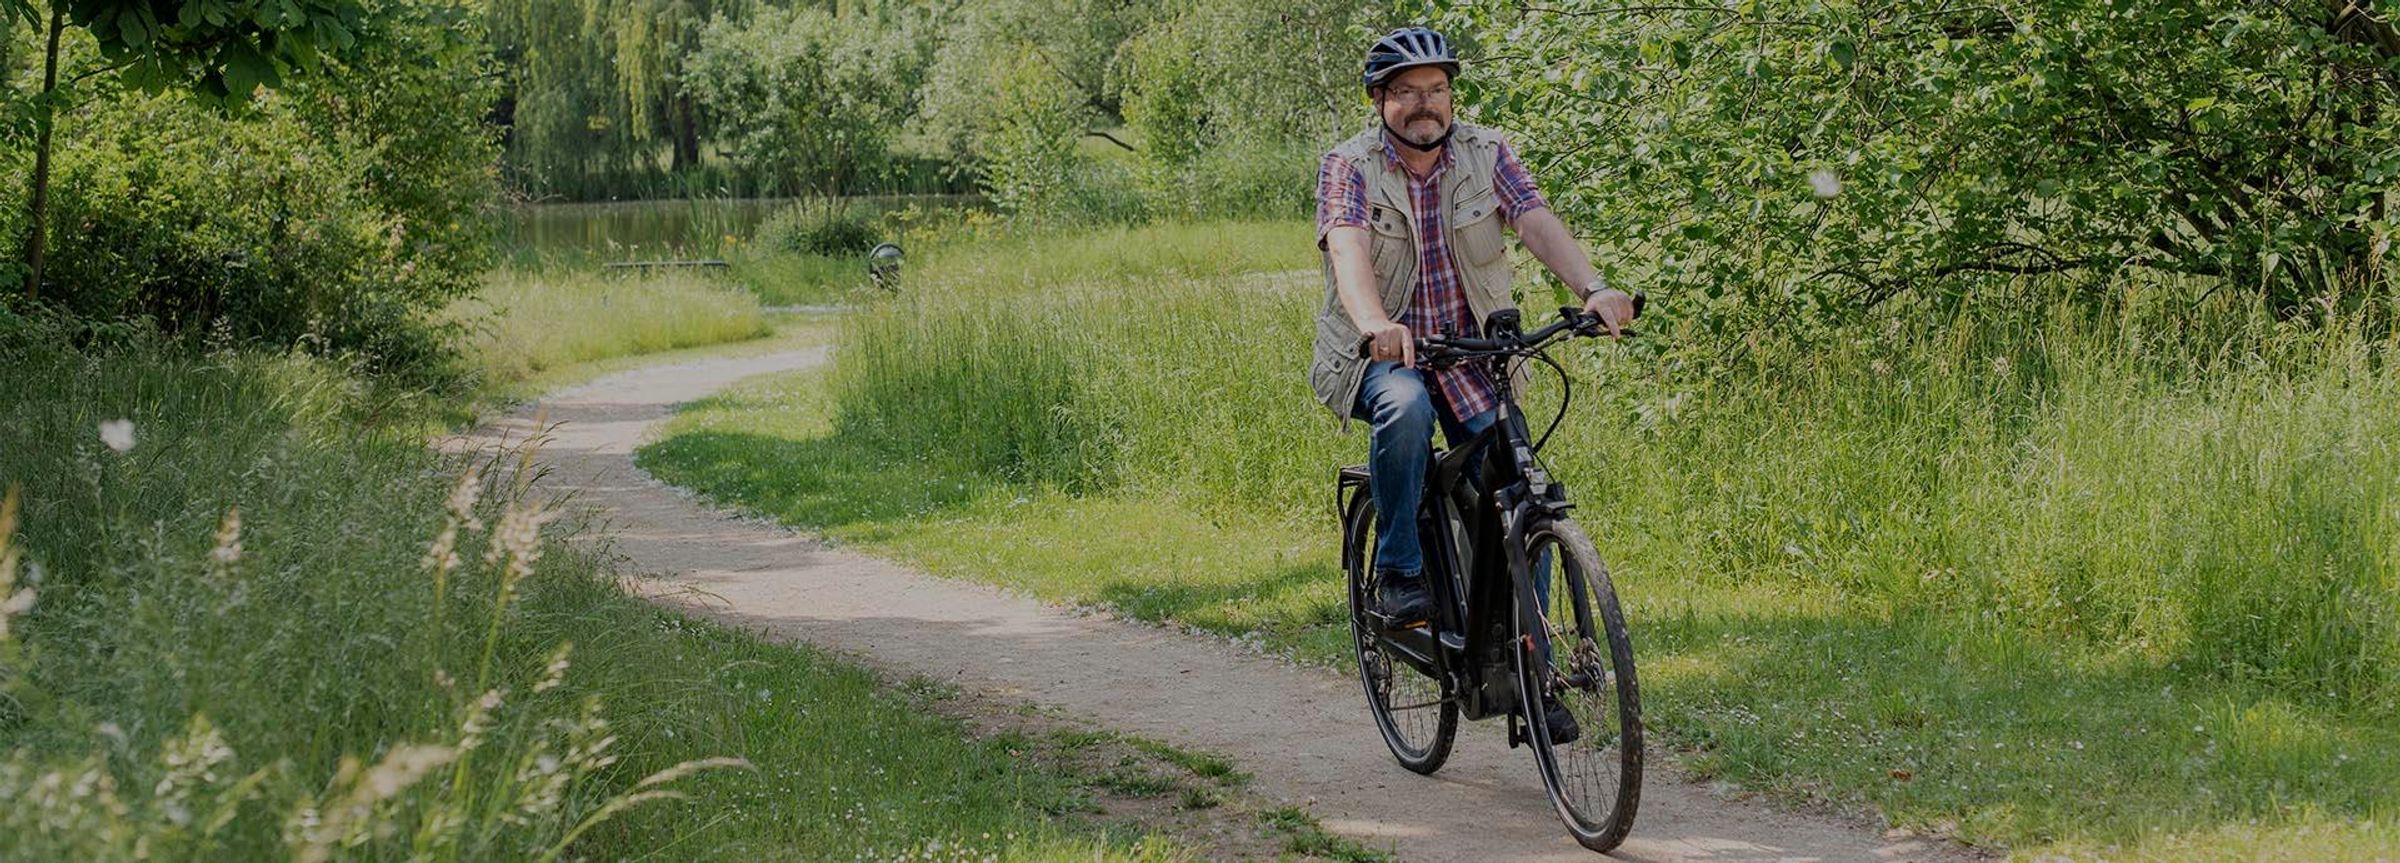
117, 434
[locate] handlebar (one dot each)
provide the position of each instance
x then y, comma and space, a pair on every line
1445, 350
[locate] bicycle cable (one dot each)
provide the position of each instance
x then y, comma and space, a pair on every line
1566, 397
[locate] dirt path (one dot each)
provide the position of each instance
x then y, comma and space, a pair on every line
1303, 733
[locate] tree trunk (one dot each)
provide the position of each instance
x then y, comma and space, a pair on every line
38, 242
687, 135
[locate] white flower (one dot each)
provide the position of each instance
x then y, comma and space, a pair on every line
1825, 182
118, 434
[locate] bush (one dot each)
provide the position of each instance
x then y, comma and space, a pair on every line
334, 215
824, 228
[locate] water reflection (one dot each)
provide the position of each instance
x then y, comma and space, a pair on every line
655, 230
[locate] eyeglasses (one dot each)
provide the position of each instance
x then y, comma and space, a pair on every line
1435, 96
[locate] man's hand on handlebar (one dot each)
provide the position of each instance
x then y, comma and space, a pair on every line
1391, 342
1614, 307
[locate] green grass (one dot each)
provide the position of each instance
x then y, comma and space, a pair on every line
787, 331
804, 280
2042, 578
525, 322
1303, 835
318, 632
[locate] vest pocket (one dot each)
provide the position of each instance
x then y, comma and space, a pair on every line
1476, 230
1336, 356
1387, 239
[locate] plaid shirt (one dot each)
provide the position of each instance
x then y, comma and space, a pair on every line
1438, 303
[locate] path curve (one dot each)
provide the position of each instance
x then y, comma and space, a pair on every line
1303, 733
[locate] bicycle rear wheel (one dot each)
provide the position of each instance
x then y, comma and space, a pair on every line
1416, 712
1580, 655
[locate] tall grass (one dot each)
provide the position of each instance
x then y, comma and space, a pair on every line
251, 622
2226, 507
526, 321
1150, 356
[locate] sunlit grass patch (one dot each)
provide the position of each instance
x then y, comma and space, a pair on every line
526, 322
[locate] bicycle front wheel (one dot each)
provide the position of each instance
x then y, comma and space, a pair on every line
1578, 655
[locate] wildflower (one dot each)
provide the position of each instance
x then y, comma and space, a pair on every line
518, 540
229, 539
442, 556
118, 434
347, 813
479, 720
192, 761
556, 672
462, 498
1825, 182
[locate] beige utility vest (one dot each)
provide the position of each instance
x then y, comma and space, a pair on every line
1477, 251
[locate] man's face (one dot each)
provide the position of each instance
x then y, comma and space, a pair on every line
1416, 103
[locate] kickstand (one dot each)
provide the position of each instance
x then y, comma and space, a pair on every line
1518, 734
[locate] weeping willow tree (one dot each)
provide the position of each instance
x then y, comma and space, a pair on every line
595, 105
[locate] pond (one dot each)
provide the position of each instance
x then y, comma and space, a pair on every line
668, 229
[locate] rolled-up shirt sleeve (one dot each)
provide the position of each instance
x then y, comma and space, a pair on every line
1341, 196
1518, 195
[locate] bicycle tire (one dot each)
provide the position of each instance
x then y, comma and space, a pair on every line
1595, 781
1418, 745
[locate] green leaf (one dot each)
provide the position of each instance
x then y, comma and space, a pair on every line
245, 69
1844, 54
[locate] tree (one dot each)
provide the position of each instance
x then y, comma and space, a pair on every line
219, 50
1781, 157
806, 99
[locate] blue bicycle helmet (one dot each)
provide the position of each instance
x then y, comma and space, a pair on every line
1404, 49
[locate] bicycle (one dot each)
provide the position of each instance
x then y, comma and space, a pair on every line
1491, 521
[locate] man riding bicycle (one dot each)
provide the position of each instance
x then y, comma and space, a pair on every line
1409, 216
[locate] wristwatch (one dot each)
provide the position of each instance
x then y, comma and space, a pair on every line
1599, 283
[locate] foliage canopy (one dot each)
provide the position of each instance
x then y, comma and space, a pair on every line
1827, 157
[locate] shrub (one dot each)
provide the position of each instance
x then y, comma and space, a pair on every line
825, 228
332, 215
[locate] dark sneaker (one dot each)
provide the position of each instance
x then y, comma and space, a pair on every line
1401, 598
1563, 729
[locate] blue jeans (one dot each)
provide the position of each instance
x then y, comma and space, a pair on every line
1400, 411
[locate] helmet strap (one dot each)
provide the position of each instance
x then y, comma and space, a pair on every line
1421, 148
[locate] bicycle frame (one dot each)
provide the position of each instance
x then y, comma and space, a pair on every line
1483, 515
